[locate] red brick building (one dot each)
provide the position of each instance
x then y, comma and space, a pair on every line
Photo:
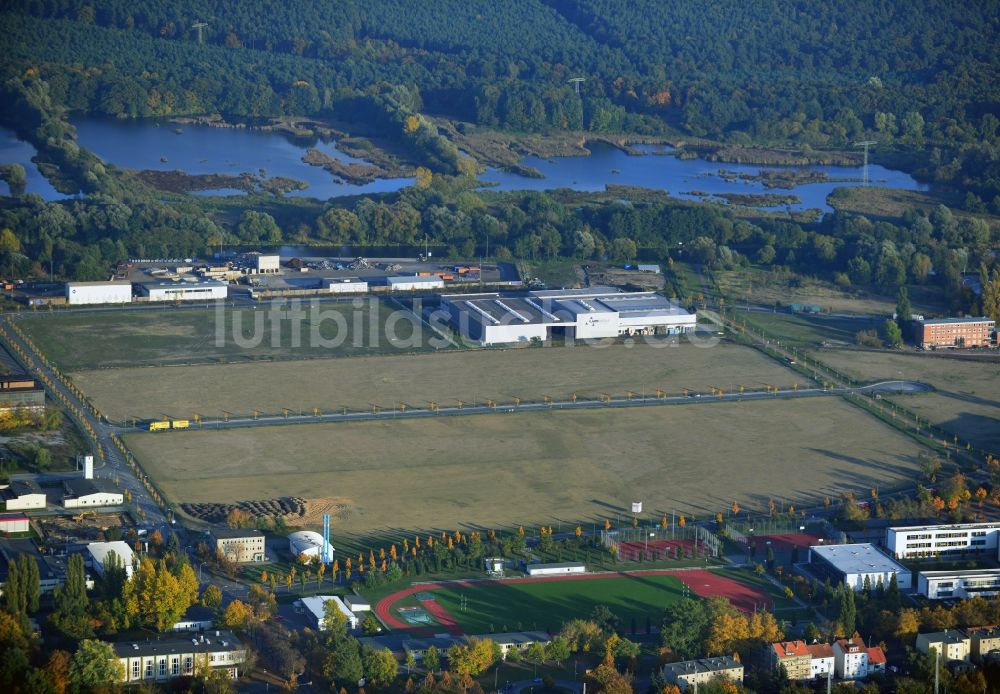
955, 332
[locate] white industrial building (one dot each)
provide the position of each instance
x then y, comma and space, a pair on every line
356, 603
594, 313
99, 552
84, 493
316, 606
202, 290
266, 265
308, 543
851, 564
116, 292
347, 285
24, 495
412, 283
14, 523
962, 584
555, 569
917, 541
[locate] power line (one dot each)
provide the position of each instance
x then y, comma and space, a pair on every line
575, 81
865, 144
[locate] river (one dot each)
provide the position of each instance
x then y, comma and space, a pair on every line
202, 149
15, 151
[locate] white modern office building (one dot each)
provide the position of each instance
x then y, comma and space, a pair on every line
916, 541
594, 313
962, 584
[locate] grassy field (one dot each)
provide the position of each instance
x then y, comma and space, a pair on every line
357, 383
547, 605
193, 336
967, 399
808, 332
559, 467
767, 287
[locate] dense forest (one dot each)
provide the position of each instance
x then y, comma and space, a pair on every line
920, 79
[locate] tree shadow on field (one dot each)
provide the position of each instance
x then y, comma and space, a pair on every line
982, 431
969, 398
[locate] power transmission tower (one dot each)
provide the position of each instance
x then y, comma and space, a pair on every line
200, 26
866, 144
575, 81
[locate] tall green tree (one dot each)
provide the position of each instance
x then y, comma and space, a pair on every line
904, 313
31, 582
71, 605
95, 665
847, 612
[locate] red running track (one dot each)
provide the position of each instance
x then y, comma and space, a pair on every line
705, 584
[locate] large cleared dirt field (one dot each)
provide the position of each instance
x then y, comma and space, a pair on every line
967, 399
359, 382
502, 469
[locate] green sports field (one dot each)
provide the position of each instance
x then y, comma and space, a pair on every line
498, 607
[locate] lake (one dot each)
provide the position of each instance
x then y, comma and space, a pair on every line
15, 151
660, 170
202, 149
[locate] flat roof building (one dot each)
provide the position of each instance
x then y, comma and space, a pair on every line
919, 541
555, 569
238, 544
114, 292
595, 313
14, 523
410, 283
21, 391
202, 290
99, 552
955, 332
851, 564
315, 605
962, 584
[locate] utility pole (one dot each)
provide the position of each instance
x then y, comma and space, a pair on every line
200, 26
866, 144
575, 81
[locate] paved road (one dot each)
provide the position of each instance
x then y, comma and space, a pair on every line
114, 461
469, 410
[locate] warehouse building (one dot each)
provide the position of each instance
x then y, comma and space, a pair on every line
265, 265
306, 543
202, 290
165, 659
414, 283
83, 493
11, 523
347, 285
24, 495
99, 552
239, 545
595, 313
955, 332
851, 564
82, 293
917, 541
21, 392
962, 584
